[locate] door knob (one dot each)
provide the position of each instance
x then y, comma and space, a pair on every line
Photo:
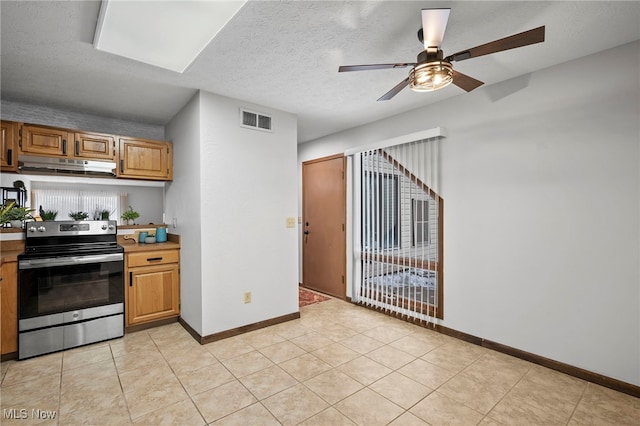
306, 232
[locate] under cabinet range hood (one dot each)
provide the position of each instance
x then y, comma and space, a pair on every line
32, 163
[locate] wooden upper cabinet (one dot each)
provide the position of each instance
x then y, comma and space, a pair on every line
43, 140
145, 159
9, 145
94, 145
136, 158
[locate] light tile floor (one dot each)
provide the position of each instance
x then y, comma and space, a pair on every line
339, 364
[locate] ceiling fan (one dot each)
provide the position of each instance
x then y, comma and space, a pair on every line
433, 71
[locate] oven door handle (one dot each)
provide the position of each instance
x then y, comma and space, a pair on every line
69, 260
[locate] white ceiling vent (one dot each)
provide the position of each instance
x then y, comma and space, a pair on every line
255, 120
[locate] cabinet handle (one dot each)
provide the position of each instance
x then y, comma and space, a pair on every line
77, 148
130, 279
64, 146
121, 166
9, 157
154, 259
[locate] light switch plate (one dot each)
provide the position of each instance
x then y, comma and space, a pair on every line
291, 222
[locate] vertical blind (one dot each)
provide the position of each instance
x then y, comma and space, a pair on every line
65, 201
399, 222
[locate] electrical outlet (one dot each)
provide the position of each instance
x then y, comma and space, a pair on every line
247, 297
291, 222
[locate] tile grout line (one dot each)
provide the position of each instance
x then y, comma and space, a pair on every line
509, 391
113, 358
463, 403
60, 392
407, 410
330, 316
179, 381
258, 400
578, 403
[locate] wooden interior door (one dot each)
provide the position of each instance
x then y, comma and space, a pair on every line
323, 225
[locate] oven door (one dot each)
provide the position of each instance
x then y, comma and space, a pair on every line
76, 285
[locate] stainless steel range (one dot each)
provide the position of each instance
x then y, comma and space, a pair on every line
70, 286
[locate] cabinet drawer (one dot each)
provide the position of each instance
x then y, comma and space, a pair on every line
157, 257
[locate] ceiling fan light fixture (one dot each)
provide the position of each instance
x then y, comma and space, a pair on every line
431, 76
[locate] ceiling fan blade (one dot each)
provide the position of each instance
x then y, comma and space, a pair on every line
391, 93
345, 68
434, 23
526, 38
465, 82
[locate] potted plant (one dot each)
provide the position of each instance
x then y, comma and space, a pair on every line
15, 215
78, 215
4, 211
47, 214
129, 216
101, 214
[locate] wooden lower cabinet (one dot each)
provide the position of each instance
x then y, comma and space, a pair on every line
9, 296
153, 286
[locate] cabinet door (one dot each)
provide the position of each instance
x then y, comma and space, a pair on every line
145, 159
45, 140
8, 141
154, 293
94, 145
9, 307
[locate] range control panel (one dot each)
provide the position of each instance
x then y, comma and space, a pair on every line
70, 227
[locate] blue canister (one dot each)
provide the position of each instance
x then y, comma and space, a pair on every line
142, 236
161, 235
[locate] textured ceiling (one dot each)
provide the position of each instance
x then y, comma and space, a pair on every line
285, 55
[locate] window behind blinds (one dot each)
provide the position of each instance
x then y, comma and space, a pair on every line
65, 201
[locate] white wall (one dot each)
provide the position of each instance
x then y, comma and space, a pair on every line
183, 203
248, 190
240, 185
541, 184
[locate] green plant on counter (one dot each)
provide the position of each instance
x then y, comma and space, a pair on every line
47, 214
130, 214
101, 214
12, 212
78, 215
4, 211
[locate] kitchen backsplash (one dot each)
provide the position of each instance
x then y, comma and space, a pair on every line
148, 199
